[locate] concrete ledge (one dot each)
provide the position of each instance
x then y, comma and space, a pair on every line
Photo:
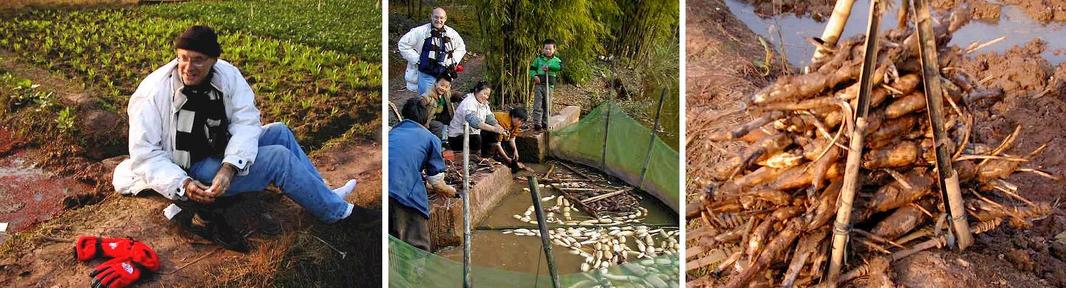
565, 117
533, 146
446, 215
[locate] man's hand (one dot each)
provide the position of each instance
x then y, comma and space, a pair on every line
444, 189
197, 191
544, 68
501, 131
536, 80
220, 184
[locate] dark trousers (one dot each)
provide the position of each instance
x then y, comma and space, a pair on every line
408, 225
456, 143
489, 140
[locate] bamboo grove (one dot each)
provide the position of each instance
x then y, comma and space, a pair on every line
585, 30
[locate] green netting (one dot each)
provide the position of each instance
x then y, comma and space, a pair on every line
416, 268
627, 148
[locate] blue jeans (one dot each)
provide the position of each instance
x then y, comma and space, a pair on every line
280, 161
425, 82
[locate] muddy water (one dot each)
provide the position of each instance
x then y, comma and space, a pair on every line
492, 248
1018, 28
30, 195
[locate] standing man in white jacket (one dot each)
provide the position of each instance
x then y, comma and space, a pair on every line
195, 134
430, 50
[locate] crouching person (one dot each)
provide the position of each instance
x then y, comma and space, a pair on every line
413, 150
195, 137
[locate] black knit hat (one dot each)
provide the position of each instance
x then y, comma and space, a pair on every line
200, 39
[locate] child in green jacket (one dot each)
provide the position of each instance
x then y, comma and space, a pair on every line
548, 64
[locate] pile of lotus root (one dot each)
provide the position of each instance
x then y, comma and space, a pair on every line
773, 207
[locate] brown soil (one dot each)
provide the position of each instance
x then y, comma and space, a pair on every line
1035, 99
41, 256
722, 71
818, 10
1044, 11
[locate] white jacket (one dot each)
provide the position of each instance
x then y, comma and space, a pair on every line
410, 46
468, 108
152, 113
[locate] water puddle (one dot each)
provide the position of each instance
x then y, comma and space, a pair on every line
493, 248
1014, 24
31, 195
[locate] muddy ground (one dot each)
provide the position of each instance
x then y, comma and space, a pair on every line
1042, 10
1035, 99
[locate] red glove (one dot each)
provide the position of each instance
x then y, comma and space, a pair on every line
458, 68
115, 273
87, 247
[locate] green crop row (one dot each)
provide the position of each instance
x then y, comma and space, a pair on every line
342, 25
318, 92
29, 108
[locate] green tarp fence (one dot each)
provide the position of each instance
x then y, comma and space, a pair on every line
415, 268
627, 147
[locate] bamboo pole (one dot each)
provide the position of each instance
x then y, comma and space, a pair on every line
946, 176
835, 26
854, 161
542, 223
466, 206
651, 141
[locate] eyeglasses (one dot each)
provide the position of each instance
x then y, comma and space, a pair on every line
199, 62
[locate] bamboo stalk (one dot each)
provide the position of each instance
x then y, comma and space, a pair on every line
948, 178
604, 196
835, 26
542, 223
466, 206
854, 160
651, 141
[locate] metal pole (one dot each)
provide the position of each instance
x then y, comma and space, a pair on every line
851, 170
948, 179
542, 223
547, 112
651, 140
466, 205
606, 131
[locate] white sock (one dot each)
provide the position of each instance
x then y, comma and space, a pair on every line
348, 212
343, 191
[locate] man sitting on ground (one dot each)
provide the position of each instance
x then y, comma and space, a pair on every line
195, 137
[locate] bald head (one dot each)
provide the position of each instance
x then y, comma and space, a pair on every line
438, 17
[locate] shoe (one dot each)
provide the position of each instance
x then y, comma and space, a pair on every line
268, 225
362, 219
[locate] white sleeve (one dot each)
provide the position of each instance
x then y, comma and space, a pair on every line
244, 126
408, 45
146, 148
460, 48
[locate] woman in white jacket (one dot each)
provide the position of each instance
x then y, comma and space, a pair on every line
445, 50
185, 147
473, 110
